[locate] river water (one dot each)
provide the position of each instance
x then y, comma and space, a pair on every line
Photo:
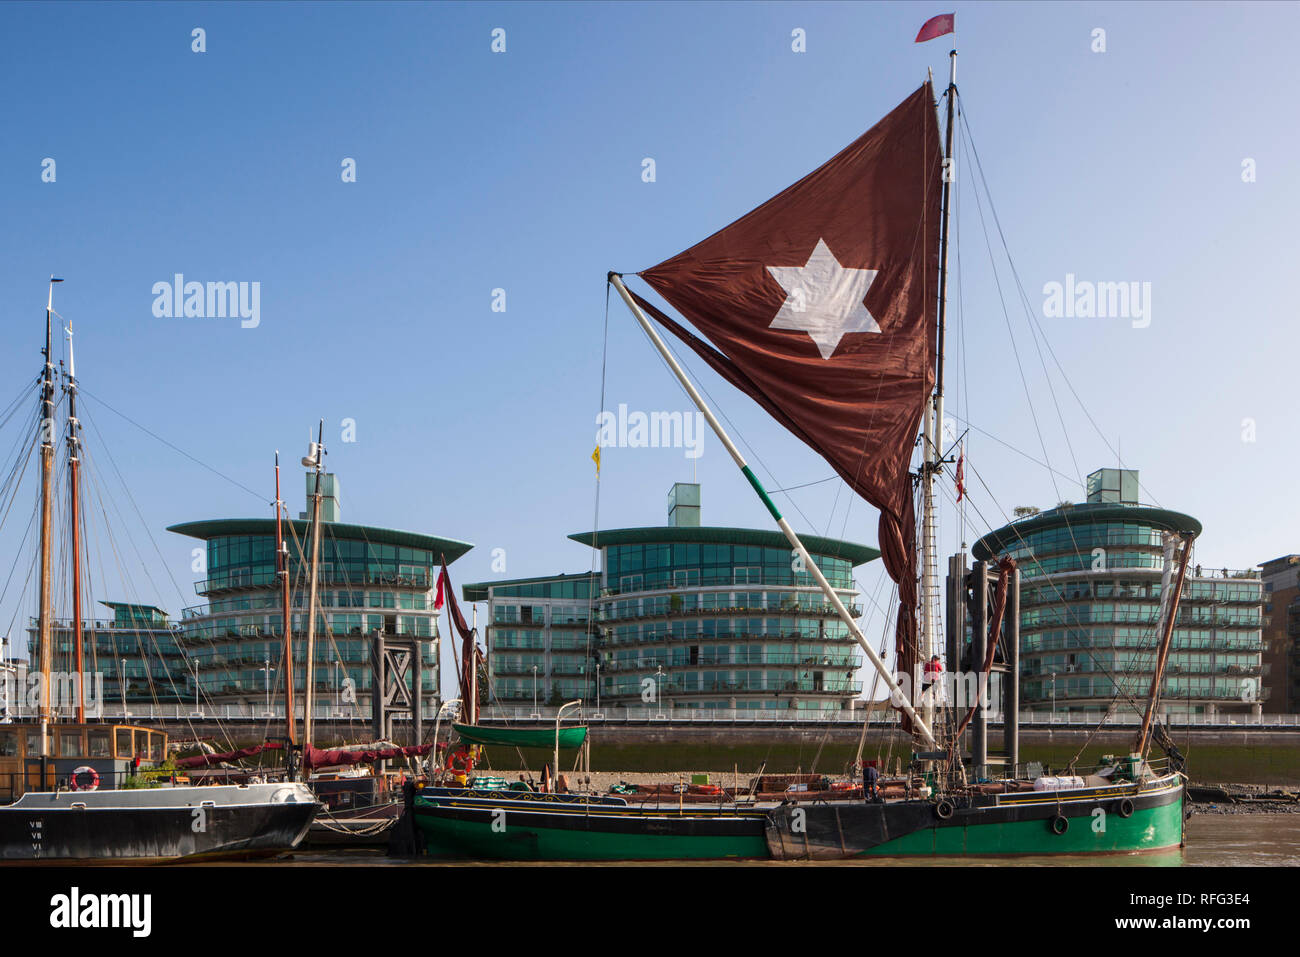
1222, 840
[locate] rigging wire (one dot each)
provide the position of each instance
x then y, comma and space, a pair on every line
1020, 285
81, 390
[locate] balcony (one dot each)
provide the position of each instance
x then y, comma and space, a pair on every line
243, 578
805, 610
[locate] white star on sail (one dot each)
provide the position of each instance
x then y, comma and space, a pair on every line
824, 299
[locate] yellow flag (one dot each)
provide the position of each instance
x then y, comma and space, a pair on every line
595, 457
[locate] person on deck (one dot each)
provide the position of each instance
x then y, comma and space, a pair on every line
870, 783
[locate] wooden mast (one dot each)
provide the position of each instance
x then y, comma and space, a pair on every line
46, 426
314, 460
1162, 656
74, 492
286, 621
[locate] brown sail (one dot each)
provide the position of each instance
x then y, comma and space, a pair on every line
820, 304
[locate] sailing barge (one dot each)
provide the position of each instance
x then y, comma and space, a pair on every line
826, 305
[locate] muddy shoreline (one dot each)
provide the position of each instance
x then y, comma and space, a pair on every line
1242, 799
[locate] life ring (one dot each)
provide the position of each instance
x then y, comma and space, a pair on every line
85, 771
460, 761
943, 810
1124, 808
1060, 824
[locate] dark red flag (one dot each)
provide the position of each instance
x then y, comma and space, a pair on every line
819, 304
937, 27
469, 645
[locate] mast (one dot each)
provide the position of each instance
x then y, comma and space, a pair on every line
922, 727
932, 432
286, 620
1162, 656
74, 492
44, 623
314, 460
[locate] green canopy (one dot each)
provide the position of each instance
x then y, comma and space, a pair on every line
570, 737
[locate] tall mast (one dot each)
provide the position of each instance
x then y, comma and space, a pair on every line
314, 460
46, 426
286, 621
1170, 602
932, 438
74, 492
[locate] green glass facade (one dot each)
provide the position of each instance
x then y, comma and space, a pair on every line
729, 626
1090, 601
704, 617
137, 651
541, 638
371, 579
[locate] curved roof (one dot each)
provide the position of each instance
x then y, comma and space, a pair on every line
219, 527
716, 535
478, 591
1084, 513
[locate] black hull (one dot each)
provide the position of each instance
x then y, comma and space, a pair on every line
149, 834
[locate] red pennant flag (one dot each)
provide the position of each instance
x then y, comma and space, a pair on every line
437, 599
820, 305
961, 475
937, 27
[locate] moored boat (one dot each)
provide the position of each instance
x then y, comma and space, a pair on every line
1118, 818
156, 825
90, 792
528, 826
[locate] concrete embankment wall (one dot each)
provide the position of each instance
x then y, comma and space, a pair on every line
1243, 756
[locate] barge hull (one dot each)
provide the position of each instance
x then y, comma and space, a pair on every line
1026, 825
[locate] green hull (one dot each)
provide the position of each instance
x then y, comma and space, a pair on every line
1119, 819
464, 839
571, 737
481, 831
1112, 820
1149, 829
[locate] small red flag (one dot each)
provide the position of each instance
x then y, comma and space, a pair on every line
937, 27
961, 475
437, 599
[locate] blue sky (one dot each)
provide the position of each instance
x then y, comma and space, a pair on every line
522, 171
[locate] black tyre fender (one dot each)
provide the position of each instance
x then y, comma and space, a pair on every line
1060, 824
943, 810
1124, 808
